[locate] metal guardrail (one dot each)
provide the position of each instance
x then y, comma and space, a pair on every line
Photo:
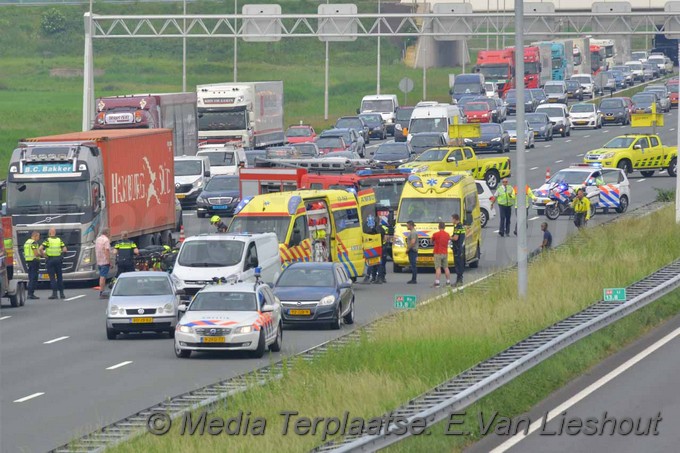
488, 376
210, 396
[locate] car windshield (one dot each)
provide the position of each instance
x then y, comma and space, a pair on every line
188, 167
372, 120
341, 154
48, 197
569, 177
426, 140
222, 184
638, 55
330, 142
552, 111
306, 149
656, 60
349, 123
536, 118
611, 104
219, 158
582, 80
226, 120
539, 94
660, 91
476, 107
582, 108
673, 88
142, 286
642, 99
498, 71
404, 114
260, 224
430, 210
299, 132
553, 89
488, 86
391, 151
433, 155
511, 96
617, 74
209, 253
304, 276
463, 88
635, 66
619, 142
573, 85
491, 128
223, 301
428, 125
384, 105
510, 125
388, 192
252, 155
533, 67
623, 69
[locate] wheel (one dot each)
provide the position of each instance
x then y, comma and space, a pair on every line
626, 166
396, 268
673, 167
259, 352
18, 299
182, 353
552, 211
484, 217
475, 264
111, 334
593, 211
647, 173
22, 295
171, 333
563, 133
335, 324
623, 204
349, 317
276, 345
492, 178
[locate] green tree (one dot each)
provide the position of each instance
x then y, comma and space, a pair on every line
52, 22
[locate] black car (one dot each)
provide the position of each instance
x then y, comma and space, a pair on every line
492, 138
401, 120
530, 102
356, 123
540, 95
376, 125
391, 154
541, 125
315, 293
614, 110
574, 90
422, 141
642, 102
220, 196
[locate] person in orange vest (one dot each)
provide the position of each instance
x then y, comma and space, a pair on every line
530, 197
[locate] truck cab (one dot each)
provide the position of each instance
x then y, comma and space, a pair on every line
385, 104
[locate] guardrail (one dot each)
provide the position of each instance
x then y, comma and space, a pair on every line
210, 396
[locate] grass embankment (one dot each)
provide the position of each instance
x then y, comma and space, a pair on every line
420, 349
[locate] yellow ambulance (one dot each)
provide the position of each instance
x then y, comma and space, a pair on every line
432, 197
316, 225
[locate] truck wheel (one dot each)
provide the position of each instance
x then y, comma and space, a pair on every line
626, 166
492, 178
623, 204
647, 173
673, 167
18, 299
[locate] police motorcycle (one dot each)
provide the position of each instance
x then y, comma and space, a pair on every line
562, 196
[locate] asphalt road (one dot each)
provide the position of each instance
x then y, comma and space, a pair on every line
56, 352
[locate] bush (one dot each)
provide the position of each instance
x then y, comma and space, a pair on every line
52, 22
665, 196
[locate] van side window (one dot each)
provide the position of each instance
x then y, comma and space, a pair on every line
300, 231
316, 186
643, 142
468, 153
456, 155
251, 257
470, 202
654, 140
346, 218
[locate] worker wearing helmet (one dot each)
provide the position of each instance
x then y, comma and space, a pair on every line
221, 227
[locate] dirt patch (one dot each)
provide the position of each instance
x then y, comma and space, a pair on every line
72, 72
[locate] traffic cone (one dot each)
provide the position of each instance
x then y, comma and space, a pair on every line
547, 174
181, 234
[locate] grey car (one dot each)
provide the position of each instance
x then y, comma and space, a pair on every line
356, 123
142, 302
353, 139
391, 154
663, 94
614, 110
422, 141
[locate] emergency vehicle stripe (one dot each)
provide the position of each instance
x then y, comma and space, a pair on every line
264, 214
300, 210
343, 257
370, 253
343, 204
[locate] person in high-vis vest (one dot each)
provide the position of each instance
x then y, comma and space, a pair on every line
32, 258
505, 197
9, 257
53, 249
581, 206
530, 196
125, 251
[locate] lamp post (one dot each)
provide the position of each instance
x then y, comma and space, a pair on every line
184, 47
235, 41
377, 89
325, 87
522, 265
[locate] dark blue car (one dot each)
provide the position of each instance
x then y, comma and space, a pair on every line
315, 293
492, 138
220, 196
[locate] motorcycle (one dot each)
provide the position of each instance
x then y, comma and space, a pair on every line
561, 197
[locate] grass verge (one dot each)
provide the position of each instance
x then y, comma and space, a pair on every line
417, 350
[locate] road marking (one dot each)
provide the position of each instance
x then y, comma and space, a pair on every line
559, 161
642, 180
76, 297
191, 213
496, 231
29, 397
586, 136
55, 340
121, 364
662, 171
5, 317
604, 132
671, 129
534, 218
567, 141
579, 155
533, 168
548, 146
586, 392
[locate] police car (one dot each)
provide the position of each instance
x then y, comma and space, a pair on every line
611, 184
234, 316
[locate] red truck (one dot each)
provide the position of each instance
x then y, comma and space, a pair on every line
82, 182
176, 111
498, 66
532, 67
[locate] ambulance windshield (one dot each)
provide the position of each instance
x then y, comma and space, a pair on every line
428, 210
257, 224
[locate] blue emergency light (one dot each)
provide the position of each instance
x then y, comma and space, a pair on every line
242, 204
405, 170
293, 203
366, 172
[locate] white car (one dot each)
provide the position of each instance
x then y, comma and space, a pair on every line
559, 116
486, 202
637, 69
587, 84
230, 317
491, 89
611, 184
585, 115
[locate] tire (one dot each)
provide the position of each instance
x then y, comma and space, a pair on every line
259, 352
111, 334
623, 204
475, 264
484, 218
563, 133
182, 353
18, 299
593, 211
647, 173
569, 132
336, 323
276, 345
552, 211
492, 178
349, 317
396, 268
673, 167
626, 166
171, 333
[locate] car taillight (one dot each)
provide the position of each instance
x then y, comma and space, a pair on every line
138, 116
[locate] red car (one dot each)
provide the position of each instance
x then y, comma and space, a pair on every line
478, 112
302, 133
673, 86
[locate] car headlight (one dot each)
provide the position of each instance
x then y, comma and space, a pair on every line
497, 139
186, 329
542, 128
398, 242
243, 329
467, 140
327, 300
198, 183
608, 155
116, 310
168, 308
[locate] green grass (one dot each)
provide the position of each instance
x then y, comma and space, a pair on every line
417, 350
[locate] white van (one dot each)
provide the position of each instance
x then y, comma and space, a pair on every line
224, 159
385, 104
191, 175
433, 117
202, 257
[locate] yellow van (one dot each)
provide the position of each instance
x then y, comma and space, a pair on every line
432, 197
315, 225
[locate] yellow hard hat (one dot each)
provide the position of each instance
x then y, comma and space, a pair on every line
214, 219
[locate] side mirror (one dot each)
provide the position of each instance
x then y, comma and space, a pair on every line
182, 308
267, 308
206, 173
637, 147
345, 285
4, 209
181, 292
451, 159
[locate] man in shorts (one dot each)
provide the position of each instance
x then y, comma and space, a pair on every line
440, 240
102, 249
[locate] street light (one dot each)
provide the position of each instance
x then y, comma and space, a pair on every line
184, 47
377, 90
522, 265
235, 41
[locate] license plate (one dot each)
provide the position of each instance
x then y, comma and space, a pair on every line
212, 340
180, 195
300, 312
373, 261
142, 320
513, 140
425, 259
44, 276
581, 122
390, 167
552, 100
220, 206
481, 145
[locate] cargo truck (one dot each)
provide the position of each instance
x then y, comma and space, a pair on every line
80, 183
247, 114
498, 66
176, 111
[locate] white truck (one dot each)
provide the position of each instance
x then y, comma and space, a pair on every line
385, 104
246, 114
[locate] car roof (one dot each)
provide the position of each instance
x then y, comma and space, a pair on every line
239, 287
143, 274
312, 265
198, 157
240, 237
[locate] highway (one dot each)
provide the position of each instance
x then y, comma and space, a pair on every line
61, 378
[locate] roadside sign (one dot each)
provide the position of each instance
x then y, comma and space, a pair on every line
615, 294
406, 85
646, 119
404, 301
464, 130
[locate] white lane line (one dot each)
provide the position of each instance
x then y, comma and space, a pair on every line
671, 129
496, 231
586, 136
559, 161
191, 213
76, 297
55, 340
604, 132
29, 397
534, 218
533, 168
579, 155
118, 365
662, 171
547, 146
508, 444
567, 141
5, 317
642, 180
